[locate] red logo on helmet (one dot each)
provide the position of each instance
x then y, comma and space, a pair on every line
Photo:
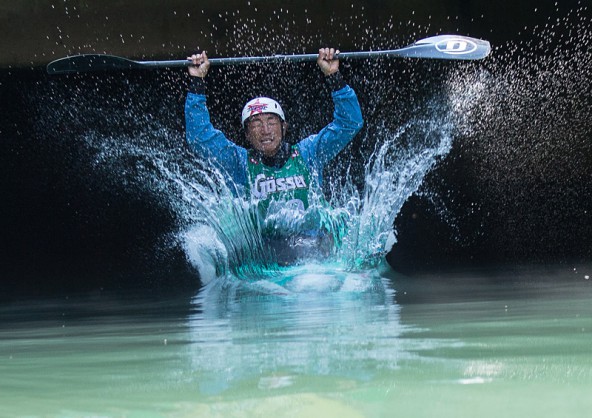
256, 107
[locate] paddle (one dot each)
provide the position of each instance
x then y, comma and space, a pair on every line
450, 47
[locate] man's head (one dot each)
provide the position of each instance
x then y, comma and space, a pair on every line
265, 125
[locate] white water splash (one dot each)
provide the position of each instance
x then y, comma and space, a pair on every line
392, 175
223, 235
229, 235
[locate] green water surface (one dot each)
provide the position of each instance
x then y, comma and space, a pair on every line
510, 343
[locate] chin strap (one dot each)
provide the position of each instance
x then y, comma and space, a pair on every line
279, 159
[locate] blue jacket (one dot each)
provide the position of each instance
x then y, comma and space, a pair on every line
316, 150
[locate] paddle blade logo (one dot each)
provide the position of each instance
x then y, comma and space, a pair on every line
456, 46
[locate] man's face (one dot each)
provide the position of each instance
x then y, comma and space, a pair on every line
265, 132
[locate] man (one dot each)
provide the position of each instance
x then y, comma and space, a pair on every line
271, 171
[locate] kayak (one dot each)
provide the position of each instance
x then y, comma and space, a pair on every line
289, 250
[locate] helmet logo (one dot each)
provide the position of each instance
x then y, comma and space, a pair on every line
257, 107
261, 105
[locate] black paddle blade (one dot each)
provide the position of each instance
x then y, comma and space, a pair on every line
90, 62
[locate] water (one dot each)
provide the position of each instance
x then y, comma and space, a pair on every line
343, 336
490, 342
226, 234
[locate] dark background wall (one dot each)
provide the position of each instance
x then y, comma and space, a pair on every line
514, 189
38, 31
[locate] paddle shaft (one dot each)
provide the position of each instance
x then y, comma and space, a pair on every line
449, 47
275, 59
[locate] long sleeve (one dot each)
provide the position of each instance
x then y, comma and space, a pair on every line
210, 143
317, 150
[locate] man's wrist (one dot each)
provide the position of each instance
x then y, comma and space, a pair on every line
335, 81
197, 85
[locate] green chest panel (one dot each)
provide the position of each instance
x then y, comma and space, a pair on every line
289, 183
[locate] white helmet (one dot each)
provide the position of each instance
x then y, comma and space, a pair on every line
261, 105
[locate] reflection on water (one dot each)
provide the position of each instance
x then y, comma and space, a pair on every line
341, 325
324, 346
